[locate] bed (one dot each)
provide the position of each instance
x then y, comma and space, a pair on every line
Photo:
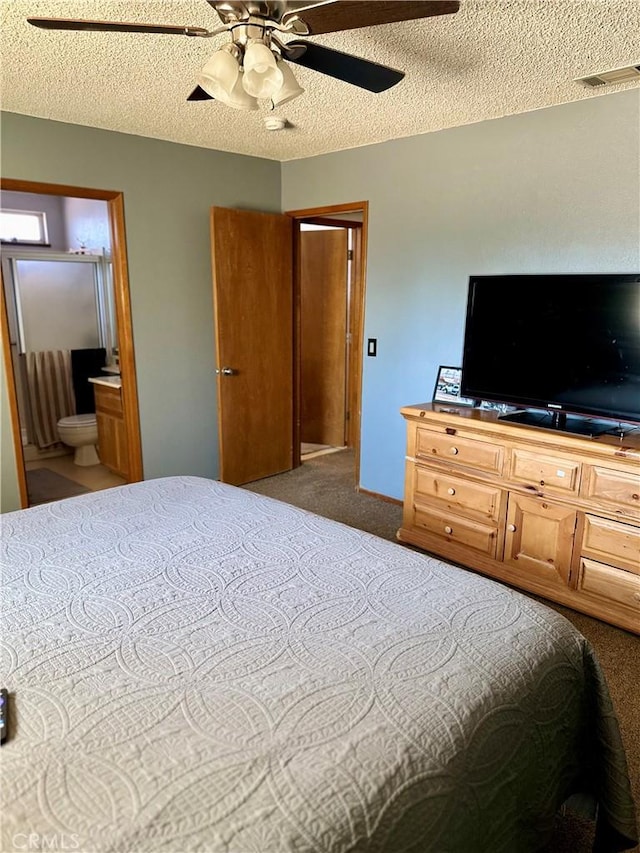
195, 667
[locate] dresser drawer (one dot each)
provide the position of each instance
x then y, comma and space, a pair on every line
610, 583
547, 473
457, 494
453, 528
459, 450
613, 487
108, 400
612, 542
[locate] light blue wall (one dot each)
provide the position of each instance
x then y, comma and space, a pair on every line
168, 190
556, 190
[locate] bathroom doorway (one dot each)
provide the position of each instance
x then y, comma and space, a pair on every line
65, 317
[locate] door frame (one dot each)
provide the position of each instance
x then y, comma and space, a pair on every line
333, 215
122, 299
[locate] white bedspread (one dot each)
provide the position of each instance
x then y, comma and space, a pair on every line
194, 667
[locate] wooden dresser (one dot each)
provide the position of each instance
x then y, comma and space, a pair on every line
112, 436
552, 513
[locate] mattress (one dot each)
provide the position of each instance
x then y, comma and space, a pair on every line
194, 667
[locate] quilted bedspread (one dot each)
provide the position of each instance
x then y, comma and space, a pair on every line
194, 667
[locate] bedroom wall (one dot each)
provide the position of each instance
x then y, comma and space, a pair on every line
168, 190
555, 190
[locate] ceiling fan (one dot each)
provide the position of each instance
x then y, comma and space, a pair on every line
254, 63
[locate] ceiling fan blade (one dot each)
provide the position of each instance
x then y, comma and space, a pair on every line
199, 94
115, 27
336, 15
342, 66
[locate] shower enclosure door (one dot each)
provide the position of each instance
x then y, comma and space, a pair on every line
59, 303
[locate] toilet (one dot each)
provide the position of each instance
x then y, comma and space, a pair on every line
81, 432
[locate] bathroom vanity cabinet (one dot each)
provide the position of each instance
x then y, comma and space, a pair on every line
551, 513
112, 442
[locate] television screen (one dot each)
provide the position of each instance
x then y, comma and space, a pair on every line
566, 343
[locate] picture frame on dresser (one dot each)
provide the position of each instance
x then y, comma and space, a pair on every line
447, 387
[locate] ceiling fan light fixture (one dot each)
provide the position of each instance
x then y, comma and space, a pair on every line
251, 66
262, 77
239, 98
220, 74
290, 88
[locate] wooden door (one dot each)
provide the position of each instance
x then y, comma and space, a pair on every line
253, 319
323, 336
539, 539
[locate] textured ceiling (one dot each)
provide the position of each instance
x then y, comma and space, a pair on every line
492, 58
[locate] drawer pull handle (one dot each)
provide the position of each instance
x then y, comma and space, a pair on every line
448, 529
451, 491
636, 595
453, 451
511, 528
635, 497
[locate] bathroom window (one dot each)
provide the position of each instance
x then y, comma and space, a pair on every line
23, 226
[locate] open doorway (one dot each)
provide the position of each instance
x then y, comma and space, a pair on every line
330, 287
325, 265
67, 334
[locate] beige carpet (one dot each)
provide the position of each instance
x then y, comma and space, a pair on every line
326, 485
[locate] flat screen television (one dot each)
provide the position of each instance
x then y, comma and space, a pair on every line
564, 345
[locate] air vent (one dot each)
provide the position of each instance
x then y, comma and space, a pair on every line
610, 78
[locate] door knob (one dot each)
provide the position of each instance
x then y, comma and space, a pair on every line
225, 371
